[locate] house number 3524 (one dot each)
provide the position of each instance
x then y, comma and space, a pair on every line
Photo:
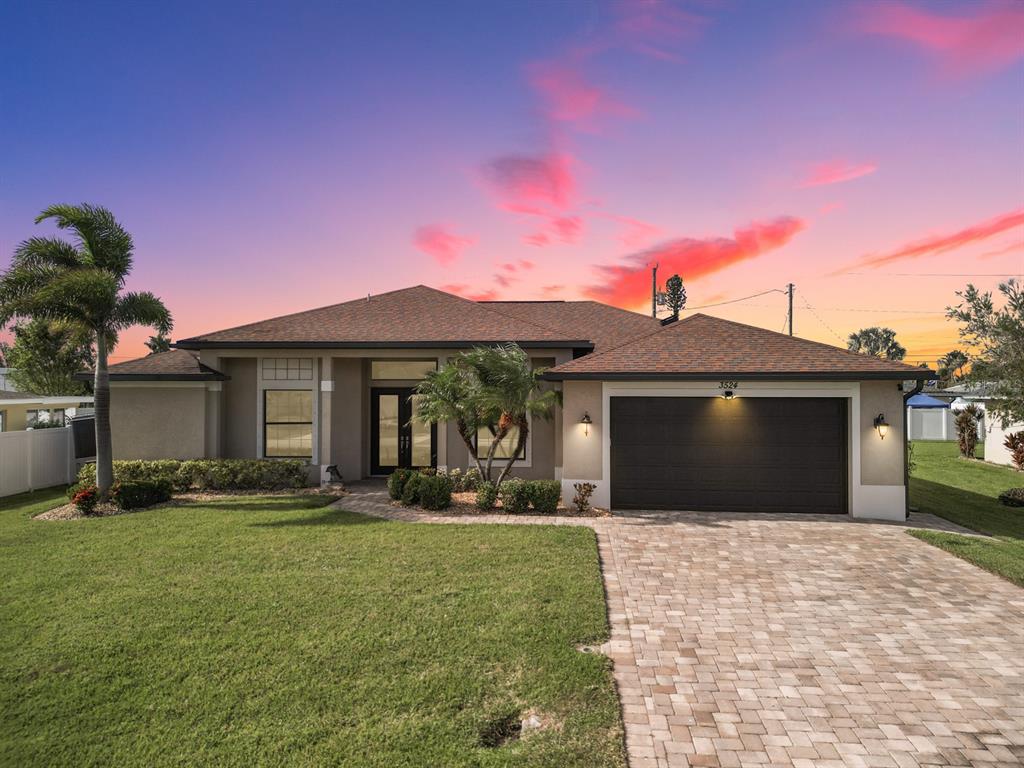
728, 385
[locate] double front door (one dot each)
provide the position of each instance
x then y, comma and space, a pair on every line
396, 438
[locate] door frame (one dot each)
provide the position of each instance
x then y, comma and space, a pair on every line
404, 430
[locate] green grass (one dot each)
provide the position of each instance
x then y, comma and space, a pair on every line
271, 631
966, 492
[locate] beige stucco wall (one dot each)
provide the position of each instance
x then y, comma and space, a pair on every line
238, 408
881, 461
347, 422
158, 422
581, 458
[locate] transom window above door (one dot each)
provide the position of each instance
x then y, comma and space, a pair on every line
401, 370
288, 368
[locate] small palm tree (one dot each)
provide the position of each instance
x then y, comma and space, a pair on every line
449, 394
510, 392
81, 284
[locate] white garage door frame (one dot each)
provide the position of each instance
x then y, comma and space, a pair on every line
884, 502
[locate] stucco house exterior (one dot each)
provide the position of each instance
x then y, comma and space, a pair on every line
702, 413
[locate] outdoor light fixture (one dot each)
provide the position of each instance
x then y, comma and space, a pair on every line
728, 395
586, 421
881, 425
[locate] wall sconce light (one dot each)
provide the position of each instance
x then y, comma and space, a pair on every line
881, 425
728, 394
586, 421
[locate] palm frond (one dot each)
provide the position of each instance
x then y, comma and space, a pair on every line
106, 243
47, 252
141, 308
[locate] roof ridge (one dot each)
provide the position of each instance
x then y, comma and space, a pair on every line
513, 317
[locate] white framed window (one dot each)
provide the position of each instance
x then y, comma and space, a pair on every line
287, 368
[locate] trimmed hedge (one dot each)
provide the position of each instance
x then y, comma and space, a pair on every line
209, 474
515, 496
129, 494
435, 491
544, 495
397, 481
486, 495
411, 490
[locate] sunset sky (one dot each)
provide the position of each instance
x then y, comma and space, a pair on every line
273, 157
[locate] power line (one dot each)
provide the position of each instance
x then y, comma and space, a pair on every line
818, 317
935, 274
733, 301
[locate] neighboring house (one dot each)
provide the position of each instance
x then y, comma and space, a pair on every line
23, 410
993, 434
702, 414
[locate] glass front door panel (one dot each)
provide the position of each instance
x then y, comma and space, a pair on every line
422, 438
388, 423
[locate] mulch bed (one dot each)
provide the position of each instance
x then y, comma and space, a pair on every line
465, 504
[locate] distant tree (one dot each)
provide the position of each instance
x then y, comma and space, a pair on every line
951, 366
996, 338
675, 294
877, 342
82, 283
159, 343
46, 355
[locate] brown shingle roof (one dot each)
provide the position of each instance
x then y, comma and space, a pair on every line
604, 325
708, 347
417, 316
175, 365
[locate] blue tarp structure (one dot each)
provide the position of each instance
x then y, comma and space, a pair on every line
925, 401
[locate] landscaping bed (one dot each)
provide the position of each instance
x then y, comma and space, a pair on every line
464, 503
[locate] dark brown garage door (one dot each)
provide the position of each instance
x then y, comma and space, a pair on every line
750, 454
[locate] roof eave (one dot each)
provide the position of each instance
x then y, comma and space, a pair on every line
200, 344
212, 376
556, 375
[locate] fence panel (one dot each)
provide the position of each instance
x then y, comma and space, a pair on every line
35, 458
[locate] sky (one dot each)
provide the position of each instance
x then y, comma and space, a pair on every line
275, 157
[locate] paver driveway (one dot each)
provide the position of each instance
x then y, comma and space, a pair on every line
746, 640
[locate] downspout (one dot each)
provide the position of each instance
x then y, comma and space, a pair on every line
918, 386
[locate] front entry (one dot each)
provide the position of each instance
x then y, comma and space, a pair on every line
396, 439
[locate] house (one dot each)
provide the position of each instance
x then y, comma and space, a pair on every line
24, 410
991, 430
702, 414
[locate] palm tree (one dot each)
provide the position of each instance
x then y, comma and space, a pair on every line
510, 392
878, 342
80, 283
449, 394
951, 365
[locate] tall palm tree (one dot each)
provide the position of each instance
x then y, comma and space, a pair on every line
951, 365
81, 283
511, 391
877, 342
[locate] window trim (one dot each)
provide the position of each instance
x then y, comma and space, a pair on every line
522, 460
267, 423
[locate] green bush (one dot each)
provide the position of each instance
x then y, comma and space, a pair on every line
544, 495
515, 496
397, 481
486, 495
411, 490
1013, 497
435, 491
209, 474
471, 480
134, 494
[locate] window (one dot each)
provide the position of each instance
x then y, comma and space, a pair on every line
484, 438
288, 368
287, 423
401, 370
31, 417
57, 416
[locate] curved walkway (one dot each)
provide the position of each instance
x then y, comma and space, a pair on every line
796, 640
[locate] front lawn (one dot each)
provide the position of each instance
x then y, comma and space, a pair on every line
273, 631
966, 492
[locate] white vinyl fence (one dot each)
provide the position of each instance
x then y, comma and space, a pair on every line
35, 458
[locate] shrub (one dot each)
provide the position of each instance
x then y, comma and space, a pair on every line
209, 474
515, 496
486, 495
397, 481
582, 498
457, 479
133, 494
1014, 443
435, 491
84, 496
966, 422
544, 495
1013, 497
411, 490
471, 480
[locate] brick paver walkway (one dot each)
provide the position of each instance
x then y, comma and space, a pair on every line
763, 640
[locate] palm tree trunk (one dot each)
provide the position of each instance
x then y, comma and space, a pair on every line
101, 402
463, 430
524, 431
499, 435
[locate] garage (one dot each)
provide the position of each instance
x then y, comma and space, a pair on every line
747, 454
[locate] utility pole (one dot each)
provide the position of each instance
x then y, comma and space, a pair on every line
654, 291
789, 290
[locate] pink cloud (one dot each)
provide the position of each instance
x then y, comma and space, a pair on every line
828, 208
936, 244
629, 283
655, 28
989, 38
569, 98
552, 291
1009, 248
526, 264
503, 280
528, 183
445, 246
463, 290
635, 232
837, 171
